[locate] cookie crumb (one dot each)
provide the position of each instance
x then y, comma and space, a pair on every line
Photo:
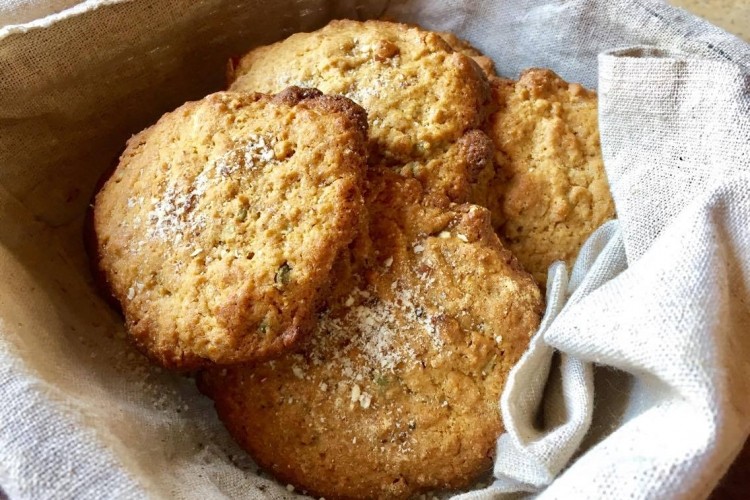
356, 392
364, 400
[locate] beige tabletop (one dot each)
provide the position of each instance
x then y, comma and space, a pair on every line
732, 15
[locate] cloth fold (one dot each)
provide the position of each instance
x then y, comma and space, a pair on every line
672, 316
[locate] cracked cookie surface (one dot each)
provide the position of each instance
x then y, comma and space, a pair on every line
551, 190
397, 390
218, 230
463, 46
422, 97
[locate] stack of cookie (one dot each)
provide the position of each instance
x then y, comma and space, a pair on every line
349, 245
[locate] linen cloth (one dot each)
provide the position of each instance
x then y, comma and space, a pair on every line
636, 385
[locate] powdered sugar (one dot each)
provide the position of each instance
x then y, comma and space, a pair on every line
256, 151
374, 331
173, 216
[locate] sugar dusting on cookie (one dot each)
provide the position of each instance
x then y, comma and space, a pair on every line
256, 151
365, 342
172, 217
372, 331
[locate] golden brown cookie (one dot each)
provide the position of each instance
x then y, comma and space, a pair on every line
551, 191
421, 96
219, 228
397, 391
464, 47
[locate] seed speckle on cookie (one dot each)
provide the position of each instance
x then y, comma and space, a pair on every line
421, 96
219, 228
396, 391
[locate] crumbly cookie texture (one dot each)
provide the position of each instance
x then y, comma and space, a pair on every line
421, 96
219, 228
464, 47
551, 191
397, 391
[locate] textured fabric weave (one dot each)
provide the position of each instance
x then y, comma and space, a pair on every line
635, 385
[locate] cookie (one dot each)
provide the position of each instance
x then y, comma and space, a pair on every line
219, 228
397, 391
464, 47
421, 96
551, 191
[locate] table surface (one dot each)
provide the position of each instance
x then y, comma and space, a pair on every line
732, 15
